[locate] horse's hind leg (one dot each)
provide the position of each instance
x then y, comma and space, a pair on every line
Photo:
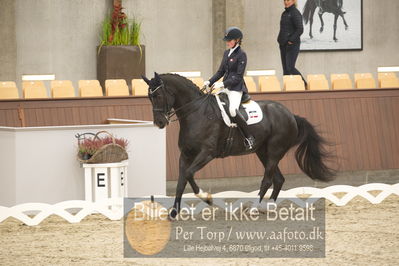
272, 175
270, 157
346, 24
278, 181
267, 179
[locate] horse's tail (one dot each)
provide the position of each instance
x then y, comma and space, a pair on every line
309, 5
310, 154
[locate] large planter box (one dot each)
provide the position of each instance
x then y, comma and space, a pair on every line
120, 62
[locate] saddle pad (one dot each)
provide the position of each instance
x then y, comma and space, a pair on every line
252, 108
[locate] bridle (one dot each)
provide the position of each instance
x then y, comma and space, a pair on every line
166, 110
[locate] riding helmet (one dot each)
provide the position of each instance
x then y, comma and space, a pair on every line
232, 33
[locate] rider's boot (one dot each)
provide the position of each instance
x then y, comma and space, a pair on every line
249, 141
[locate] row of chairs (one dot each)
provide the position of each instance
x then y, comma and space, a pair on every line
317, 82
65, 89
119, 87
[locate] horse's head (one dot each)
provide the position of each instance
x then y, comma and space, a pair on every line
161, 98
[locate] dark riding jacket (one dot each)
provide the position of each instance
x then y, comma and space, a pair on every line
291, 26
232, 70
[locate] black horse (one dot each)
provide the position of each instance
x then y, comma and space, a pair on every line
329, 6
203, 136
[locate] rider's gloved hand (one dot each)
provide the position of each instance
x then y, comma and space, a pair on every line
218, 85
206, 83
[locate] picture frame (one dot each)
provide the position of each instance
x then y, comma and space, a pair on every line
349, 32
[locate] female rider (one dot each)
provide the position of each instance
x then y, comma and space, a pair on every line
232, 69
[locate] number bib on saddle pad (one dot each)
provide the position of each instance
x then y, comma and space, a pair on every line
250, 110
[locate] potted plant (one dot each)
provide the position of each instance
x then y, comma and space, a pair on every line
120, 54
101, 149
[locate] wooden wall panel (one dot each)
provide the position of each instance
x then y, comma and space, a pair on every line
362, 125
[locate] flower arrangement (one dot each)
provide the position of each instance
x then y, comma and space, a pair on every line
89, 146
117, 29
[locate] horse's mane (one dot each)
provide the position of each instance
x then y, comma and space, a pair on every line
184, 81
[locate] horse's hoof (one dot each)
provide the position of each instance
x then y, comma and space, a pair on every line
321, 30
261, 208
346, 27
205, 196
311, 36
261, 195
335, 40
209, 199
273, 197
172, 215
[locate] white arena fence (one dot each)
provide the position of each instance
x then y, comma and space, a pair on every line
75, 210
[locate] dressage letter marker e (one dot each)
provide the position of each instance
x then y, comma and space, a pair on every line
107, 180
100, 180
101, 189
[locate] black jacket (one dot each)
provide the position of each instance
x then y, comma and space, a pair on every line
291, 26
232, 70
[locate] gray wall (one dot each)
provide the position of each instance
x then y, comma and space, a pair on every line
60, 37
177, 34
8, 45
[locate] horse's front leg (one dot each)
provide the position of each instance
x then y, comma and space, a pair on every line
335, 28
188, 166
322, 22
311, 24
181, 185
204, 157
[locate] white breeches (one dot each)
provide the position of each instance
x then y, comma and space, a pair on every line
234, 99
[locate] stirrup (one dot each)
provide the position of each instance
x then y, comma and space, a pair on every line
249, 143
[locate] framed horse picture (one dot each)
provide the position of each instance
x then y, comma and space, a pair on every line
331, 25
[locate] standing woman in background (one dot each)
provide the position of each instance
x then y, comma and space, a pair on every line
289, 38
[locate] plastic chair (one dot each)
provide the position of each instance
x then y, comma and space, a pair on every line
251, 85
293, 83
362, 76
116, 87
269, 84
389, 83
62, 89
364, 81
139, 87
198, 81
318, 85
34, 90
317, 82
386, 75
90, 88
341, 82
8, 90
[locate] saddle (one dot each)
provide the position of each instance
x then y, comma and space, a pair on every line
249, 109
226, 104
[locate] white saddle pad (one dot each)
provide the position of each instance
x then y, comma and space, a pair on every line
255, 114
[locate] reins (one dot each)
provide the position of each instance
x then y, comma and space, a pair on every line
170, 114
